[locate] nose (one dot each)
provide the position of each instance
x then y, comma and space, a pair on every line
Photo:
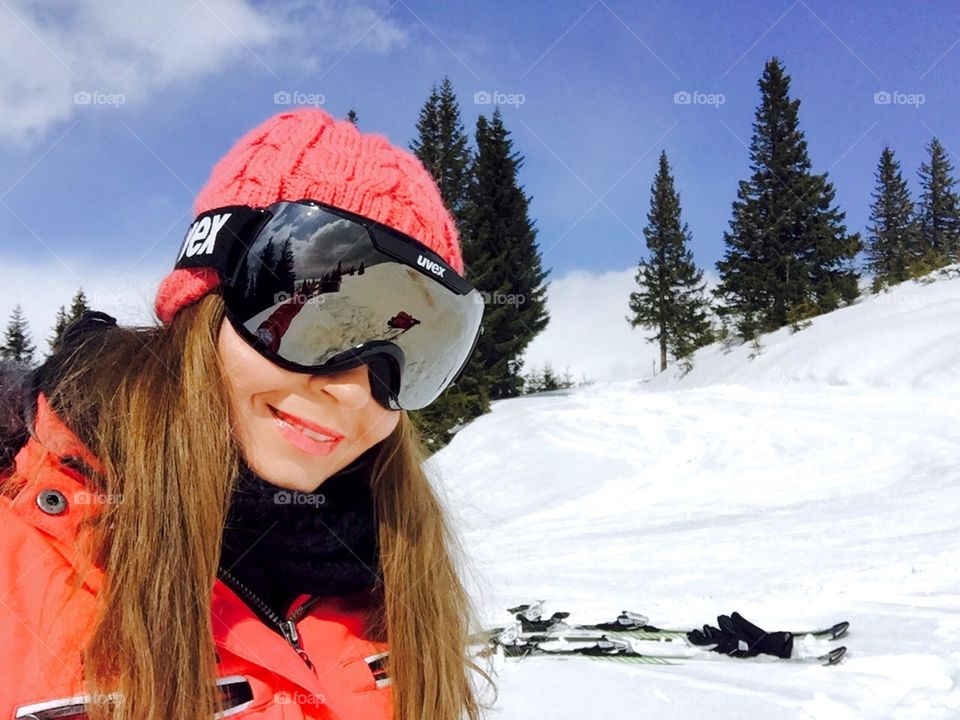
350, 388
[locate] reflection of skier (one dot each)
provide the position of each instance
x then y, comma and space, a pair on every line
402, 320
272, 330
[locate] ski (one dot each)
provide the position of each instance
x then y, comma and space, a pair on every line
623, 652
513, 642
586, 633
628, 624
646, 632
834, 632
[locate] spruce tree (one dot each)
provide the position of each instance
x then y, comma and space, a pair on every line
441, 145
546, 379
59, 325
503, 261
284, 274
264, 276
670, 298
788, 255
17, 344
457, 405
892, 236
939, 211
78, 306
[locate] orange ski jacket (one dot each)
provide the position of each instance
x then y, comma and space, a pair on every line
325, 669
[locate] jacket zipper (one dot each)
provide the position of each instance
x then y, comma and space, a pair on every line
288, 627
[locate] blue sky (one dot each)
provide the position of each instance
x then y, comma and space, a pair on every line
98, 194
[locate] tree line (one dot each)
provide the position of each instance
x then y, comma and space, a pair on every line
788, 254
18, 343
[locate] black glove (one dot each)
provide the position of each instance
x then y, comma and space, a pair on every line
738, 637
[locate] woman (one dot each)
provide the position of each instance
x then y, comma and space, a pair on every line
226, 512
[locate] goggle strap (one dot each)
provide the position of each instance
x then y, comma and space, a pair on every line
416, 254
216, 238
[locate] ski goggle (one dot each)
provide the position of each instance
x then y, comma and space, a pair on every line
316, 289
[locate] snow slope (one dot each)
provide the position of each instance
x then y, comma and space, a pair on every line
819, 481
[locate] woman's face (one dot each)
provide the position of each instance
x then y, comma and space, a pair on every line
268, 401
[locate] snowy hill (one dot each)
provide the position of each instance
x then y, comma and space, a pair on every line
907, 337
819, 481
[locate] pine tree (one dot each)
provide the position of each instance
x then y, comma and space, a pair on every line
441, 145
546, 379
78, 306
788, 255
503, 261
352, 116
892, 233
670, 298
284, 274
59, 325
939, 211
17, 344
457, 405
264, 283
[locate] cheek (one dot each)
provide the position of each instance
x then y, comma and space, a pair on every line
247, 374
386, 422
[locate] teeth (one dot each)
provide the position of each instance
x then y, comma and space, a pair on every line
309, 433
315, 435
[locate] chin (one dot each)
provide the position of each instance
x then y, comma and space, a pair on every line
292, 476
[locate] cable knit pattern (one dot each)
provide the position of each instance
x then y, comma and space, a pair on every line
306, 153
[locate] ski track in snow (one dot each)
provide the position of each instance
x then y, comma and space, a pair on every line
816, 483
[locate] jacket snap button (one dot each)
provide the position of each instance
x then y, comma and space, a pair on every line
52, 502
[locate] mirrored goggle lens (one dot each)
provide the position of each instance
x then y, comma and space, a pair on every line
315, 292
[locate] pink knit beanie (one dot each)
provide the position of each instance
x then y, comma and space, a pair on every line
307, 154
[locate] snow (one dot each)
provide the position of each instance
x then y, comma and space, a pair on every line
594, 305
817, 482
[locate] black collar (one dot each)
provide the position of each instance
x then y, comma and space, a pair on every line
280, 544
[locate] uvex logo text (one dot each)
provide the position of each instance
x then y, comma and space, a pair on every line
436, 268
202, 235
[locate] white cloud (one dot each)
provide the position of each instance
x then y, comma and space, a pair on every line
41, 289
135, 49
588, 334
344, 26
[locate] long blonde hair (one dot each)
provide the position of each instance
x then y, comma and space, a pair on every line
152, 405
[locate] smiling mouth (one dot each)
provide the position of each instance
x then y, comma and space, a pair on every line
292, 422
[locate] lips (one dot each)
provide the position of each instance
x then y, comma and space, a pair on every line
310, 429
